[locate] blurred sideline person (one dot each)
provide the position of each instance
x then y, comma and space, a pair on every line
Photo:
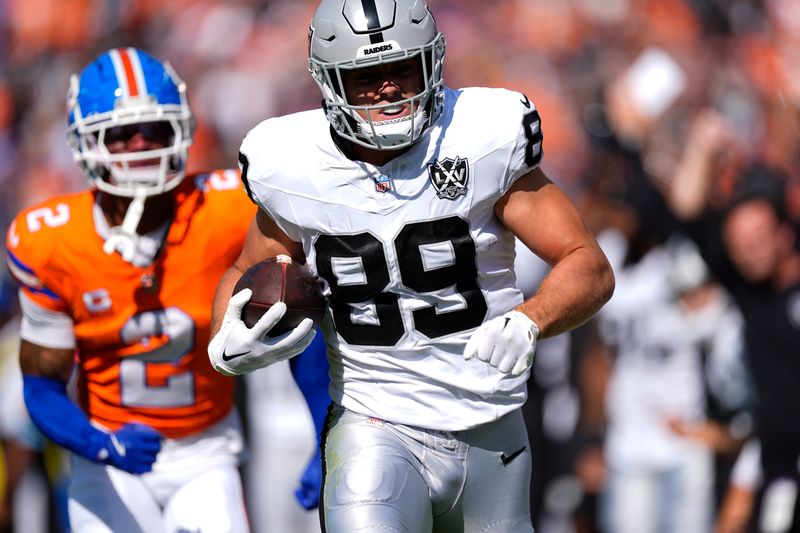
33, 473
750, 245
117, 282
404, 197
675, 339
736, 506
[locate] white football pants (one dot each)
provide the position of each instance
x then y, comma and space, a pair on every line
387, 478
194, 486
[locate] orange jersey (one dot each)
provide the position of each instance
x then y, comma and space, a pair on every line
141, 333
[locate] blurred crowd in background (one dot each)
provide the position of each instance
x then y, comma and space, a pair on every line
623, 87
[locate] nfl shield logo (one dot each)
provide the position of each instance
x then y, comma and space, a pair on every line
383, 183
449, 177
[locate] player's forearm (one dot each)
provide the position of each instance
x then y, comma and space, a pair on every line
222, 295
571, 293
59, 419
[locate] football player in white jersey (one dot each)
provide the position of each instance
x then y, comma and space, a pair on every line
404, 197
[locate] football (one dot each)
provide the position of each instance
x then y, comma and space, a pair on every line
279, 279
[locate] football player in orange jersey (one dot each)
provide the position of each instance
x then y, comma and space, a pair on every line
120, 279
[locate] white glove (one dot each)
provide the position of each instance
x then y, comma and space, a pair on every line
237, 349
506, 342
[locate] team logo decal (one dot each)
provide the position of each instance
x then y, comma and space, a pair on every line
449, 177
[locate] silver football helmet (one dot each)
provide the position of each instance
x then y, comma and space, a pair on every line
353, 34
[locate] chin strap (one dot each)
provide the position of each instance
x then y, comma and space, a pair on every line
123, 238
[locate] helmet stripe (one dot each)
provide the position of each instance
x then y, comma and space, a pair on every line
130, 77
128, 69
373, 21
138, 71
124, 71
371, 14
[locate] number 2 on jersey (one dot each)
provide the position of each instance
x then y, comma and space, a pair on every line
178, 390
432, 256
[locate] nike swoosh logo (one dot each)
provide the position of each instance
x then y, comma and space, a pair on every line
232, 356
118, 446
526, 102
505, 459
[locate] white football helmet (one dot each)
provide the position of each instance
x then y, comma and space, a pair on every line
687, 270
353, 34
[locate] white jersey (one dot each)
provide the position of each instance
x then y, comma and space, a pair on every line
411, 254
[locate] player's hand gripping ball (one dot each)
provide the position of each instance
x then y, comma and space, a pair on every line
279, 279
272, 316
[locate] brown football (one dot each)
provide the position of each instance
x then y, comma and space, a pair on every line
279, 279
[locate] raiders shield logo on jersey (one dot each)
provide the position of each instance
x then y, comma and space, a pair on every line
449, 177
